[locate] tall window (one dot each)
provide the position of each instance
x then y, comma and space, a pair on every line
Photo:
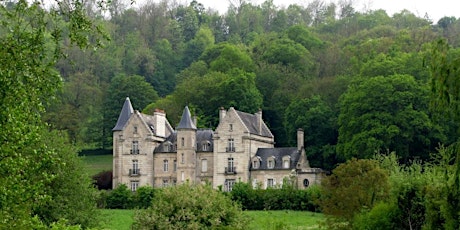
229, 185
135, 129
204, 165
175, 165
134, 185
182, 142
230, 128
230, 166
270, 183
165, 165
270, 163
135, 147
182, 161
231, 145
135, 169
182, 176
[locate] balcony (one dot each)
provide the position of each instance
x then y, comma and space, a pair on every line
134, 151
134, 172
230, 170
230, 149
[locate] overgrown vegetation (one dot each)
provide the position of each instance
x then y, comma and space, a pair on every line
191, 207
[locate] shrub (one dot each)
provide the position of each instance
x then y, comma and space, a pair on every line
120, 198
143, 197
191, 207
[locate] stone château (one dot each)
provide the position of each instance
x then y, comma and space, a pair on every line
148, 151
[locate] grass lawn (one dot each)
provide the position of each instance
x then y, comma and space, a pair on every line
267, 220
117, 219
97, 163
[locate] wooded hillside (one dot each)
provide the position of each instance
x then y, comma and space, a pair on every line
356, 82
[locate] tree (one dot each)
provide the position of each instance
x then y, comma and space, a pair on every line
191, 207
31, 160
318, 121
383, 114
353, 186
136, 88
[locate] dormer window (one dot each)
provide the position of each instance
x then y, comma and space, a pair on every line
206, 146
255, 164
167, 147
286, 162
271, 162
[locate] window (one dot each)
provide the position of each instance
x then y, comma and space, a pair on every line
175, 165
182, 176
165, 182
135, 169
306, 183
165, 165
231, 145
271, 163
230, 128
254, 183
182, 161
204, 165
229, 185
134, 185
270, 183
135, 129
286, 164
135, 147
206, 146
174, 182
182, 142
167, 147
231, 167
255, 164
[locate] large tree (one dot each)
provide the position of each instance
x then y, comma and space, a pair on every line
32, 166
382, 114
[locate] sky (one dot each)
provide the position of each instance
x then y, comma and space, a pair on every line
435, 9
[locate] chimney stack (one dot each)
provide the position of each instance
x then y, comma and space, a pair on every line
259, 120
222, 114
300, 139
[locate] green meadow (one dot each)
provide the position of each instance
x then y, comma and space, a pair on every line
115, 219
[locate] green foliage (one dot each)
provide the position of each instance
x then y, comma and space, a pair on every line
190, 207
143, 197
136, 88
386, 114
120, 198
352, 187
318, 121
284, 198
380, 217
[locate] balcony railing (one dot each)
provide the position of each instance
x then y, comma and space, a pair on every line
134, 172
134, 151
230, 170
230, 149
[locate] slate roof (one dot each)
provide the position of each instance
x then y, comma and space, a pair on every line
186, 120
202, 136
278, 153
252, 122
124, 116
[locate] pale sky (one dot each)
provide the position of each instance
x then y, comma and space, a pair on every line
435, 9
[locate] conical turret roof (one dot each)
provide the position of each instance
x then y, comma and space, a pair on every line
186, 120
125, 114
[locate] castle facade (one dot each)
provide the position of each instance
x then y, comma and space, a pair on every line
147, 150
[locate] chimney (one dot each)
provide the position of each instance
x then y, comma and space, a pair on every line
160, 122
259, 121
300, 139
222, 114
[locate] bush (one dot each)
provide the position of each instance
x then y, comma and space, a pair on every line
143, 197
120, 198
191, 207
381, 216
285, 198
